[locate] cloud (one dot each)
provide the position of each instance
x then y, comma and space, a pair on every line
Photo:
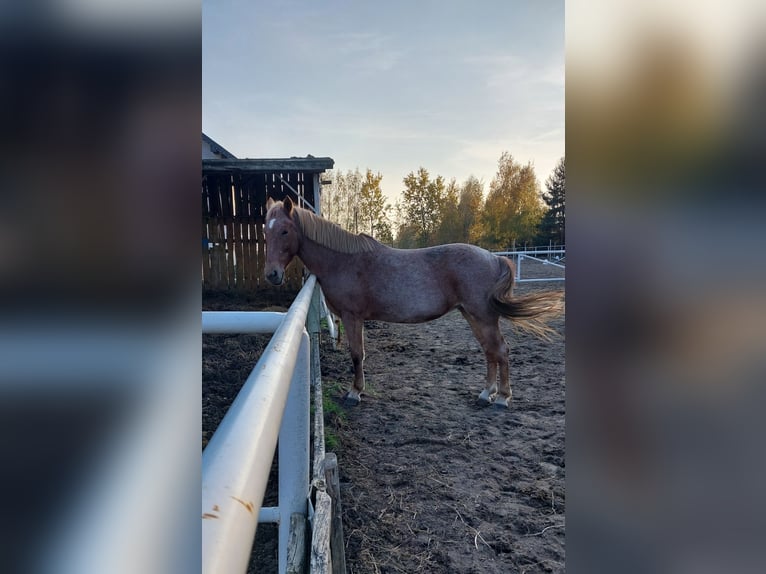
368, 51
510, 76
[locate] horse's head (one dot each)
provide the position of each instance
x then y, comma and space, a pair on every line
281, 239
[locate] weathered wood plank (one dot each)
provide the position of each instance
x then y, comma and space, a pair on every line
205, 255
308, 164
332, 481
241, 263
260, 255
217, 255
239, 241
316, 379
251, 281
296, 545
321, 559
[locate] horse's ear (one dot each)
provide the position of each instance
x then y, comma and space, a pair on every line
288, 205
269, 203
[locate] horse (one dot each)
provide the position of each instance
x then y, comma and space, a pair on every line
363, 279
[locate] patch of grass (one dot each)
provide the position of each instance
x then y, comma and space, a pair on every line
331, 441
334, 415
323, 326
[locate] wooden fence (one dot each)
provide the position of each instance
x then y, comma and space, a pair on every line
233, 210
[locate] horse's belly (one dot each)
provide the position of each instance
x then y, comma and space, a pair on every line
415, 309
409, 317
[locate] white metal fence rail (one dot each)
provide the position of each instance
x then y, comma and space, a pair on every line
555, 257
237, 460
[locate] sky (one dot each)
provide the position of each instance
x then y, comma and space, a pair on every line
391, 86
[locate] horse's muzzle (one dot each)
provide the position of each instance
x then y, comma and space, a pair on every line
275, 277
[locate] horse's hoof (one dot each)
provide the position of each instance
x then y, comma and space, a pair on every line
484, 398
501, 404
350, 400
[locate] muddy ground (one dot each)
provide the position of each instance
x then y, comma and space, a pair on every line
430, 480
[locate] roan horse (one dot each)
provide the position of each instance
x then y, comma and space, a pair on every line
364, 279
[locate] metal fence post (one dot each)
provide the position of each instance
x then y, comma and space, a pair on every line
294, 449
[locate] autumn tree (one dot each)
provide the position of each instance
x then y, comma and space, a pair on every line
353, 192
341, 199
372, 204
384, 233
469, 209
405, 231
512, 210
331, 197
553, 222
449, 227
421, 200
407, 237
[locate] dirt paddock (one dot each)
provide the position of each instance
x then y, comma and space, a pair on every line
430, 480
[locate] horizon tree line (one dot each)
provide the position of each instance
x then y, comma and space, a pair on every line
515, 210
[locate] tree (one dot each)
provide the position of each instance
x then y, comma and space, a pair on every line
372, 204
407, 237
383, 233
339, 198
422, 198
331, 197
553, 223
353, 191
449, 229
469, 209
355, 203
512, 210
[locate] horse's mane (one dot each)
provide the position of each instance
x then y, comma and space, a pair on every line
331, 235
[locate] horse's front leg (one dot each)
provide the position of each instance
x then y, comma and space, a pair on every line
355, 335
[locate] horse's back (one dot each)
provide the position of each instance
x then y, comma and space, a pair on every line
416, 285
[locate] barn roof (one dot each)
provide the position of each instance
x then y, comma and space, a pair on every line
215, 147
308, 164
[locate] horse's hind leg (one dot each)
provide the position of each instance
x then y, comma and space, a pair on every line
496, 352
504, 392
355, 336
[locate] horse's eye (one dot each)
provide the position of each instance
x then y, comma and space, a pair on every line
284, 232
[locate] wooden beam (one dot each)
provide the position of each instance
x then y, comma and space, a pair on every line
306, 164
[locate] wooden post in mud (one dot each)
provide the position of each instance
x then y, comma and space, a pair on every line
332, 481
321, 558
296, 546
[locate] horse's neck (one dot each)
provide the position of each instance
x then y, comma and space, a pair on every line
319, 259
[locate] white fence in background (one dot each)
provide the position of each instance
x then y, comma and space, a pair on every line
554, 257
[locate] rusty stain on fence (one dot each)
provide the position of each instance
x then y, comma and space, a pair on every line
248, 505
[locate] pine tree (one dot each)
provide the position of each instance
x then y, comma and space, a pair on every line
552, 226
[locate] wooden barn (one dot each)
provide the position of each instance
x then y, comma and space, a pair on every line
234, 193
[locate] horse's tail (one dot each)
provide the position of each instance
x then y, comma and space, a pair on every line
529, 313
